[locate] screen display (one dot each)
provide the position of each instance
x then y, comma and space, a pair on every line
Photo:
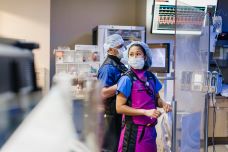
160, 57
188, 20
223, 12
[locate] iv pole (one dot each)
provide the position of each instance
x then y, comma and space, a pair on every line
211, 87
174, 103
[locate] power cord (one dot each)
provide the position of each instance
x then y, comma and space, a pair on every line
214, 122
217, 66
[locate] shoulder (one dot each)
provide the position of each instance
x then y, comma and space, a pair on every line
124, 86
150, 74
158, 84
107, 68
125, 79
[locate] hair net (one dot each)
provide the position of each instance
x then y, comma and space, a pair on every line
148, 52
113, 41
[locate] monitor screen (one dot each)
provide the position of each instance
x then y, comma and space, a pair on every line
160, 57
188, 20
222, 11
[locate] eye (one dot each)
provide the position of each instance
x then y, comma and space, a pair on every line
138, 54
131, 54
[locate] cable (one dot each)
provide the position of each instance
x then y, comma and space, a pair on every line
218, 66
214, 122
214, 84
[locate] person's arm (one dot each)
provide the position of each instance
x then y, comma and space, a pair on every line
163, 104
107, 92
122, 108
106, 76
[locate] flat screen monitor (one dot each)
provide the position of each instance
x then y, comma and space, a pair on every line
190, 17
222, 11
160, 57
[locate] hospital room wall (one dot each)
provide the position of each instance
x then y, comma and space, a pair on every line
29, 20
72, 21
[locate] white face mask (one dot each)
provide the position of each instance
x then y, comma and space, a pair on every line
124, 60
136, 63
120, 52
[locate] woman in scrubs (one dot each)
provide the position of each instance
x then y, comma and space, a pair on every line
137, 99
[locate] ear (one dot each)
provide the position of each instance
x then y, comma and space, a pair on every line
113, 51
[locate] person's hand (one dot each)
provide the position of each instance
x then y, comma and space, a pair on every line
167, 107
152, 113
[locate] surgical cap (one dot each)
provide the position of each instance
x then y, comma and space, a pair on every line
147, 52
113, 41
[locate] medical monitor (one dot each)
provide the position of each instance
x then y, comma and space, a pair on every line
160, 57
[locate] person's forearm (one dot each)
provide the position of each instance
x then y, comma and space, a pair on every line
108, 92
124, 109
160, 102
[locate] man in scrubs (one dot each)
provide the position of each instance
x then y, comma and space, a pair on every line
109, 74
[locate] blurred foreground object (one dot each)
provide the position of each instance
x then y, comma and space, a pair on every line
93, 118
19, 92
49, 127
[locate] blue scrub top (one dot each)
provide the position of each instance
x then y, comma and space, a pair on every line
108, 75
124, 86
